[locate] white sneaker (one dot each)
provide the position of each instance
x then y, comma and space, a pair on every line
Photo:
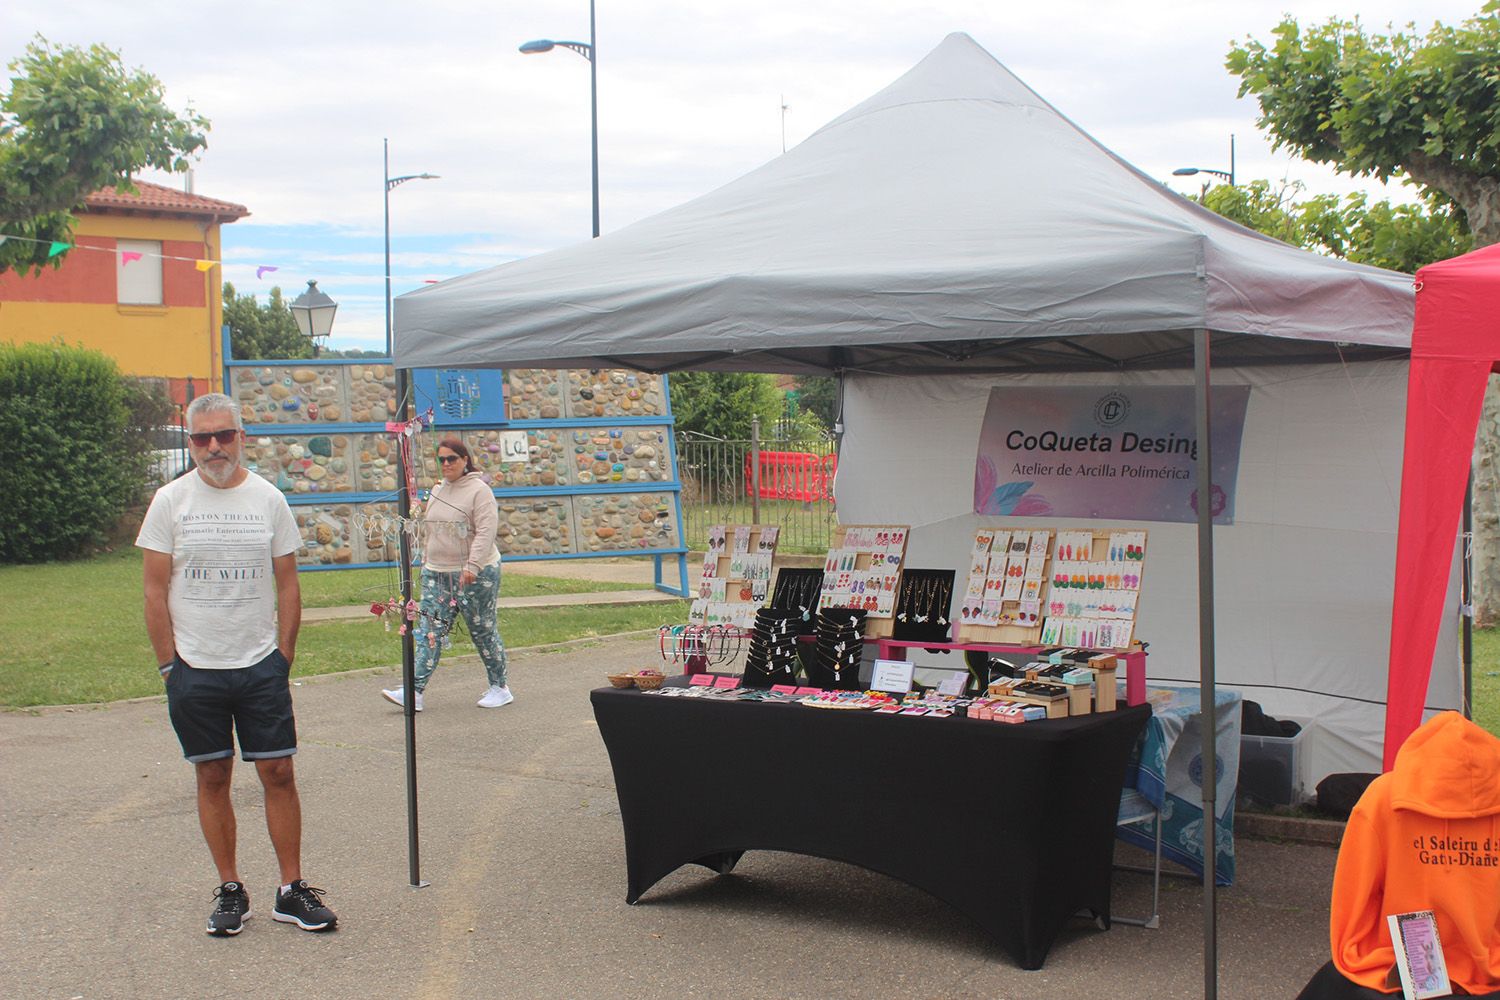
396, 697
496, 696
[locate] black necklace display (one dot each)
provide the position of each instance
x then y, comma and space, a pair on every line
923, 605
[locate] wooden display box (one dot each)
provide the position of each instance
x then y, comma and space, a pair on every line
1105, 694
876, 626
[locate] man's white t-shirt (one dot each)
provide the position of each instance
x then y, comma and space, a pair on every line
223, 592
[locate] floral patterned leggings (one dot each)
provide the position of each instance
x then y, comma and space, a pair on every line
476, 603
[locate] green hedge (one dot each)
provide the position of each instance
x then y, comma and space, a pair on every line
69, 463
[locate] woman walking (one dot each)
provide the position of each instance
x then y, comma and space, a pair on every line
460, 574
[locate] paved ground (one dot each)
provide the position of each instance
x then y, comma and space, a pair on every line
105, 883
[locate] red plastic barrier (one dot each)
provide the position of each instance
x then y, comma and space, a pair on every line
792, 475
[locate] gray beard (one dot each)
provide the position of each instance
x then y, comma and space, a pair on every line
219, 479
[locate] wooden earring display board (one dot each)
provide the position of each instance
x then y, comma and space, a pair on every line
863, 571
1001, 599
736, 578
1089, 583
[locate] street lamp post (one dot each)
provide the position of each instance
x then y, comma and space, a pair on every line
313, 312
1228, 175
391, 183
403, 512
590, 51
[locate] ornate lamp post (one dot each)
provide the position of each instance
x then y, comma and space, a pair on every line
313, 312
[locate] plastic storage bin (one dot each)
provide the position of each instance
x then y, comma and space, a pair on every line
1271, 769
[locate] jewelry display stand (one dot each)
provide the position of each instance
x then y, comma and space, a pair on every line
922, 605
1001, 601
736, 577
863, 572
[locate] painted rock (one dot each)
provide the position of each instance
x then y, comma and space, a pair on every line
291, 404
294, 450
312, 411
316, 472
320, 446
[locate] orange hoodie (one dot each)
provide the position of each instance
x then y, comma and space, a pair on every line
1425, 836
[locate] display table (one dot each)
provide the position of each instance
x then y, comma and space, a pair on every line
1170, 776
1013, 825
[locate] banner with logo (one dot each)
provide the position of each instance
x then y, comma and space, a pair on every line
1096, 452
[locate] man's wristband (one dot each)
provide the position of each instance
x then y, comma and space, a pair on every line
166, 666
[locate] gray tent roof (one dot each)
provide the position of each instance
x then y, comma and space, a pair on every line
953, 222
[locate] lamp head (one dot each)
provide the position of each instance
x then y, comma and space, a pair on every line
539, 45
1184, 171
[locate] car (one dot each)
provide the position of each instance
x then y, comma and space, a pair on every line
170, 457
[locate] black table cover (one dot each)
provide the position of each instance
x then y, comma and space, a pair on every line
1013, 825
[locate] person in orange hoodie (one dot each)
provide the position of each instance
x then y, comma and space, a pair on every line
1425, 836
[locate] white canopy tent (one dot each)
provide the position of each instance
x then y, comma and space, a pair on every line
955, 226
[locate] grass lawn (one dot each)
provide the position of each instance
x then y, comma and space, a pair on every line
76, 634
1487, 679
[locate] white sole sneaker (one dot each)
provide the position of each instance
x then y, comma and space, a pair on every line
496, 699
395, 697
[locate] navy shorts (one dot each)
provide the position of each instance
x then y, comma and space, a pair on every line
209, 706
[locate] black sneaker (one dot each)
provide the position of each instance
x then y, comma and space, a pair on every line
231, 911
303, 905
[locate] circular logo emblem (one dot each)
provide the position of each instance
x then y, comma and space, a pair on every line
1112, 409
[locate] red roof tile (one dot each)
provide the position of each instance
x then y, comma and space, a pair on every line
157, 199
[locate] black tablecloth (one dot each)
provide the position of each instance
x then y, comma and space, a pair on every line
1011, 824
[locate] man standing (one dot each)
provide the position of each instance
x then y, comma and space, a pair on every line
223, 606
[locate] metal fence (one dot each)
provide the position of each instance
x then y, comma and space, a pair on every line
791, 485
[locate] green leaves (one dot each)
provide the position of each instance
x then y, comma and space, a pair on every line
75, 120
267, 331
1383, 104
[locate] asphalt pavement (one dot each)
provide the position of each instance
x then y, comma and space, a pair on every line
105, 882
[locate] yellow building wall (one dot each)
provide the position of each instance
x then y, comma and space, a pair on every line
168, 341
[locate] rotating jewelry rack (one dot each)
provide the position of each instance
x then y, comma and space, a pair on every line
699, 648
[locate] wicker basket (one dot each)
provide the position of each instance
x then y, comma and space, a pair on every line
648, 682
621, 680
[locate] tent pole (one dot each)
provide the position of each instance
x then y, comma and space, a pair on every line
404, 477
1201, 378
1466, 604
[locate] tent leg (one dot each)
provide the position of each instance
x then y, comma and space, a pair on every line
1201, 406
1466, 604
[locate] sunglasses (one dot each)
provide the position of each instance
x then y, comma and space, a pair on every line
223, 437
445, 459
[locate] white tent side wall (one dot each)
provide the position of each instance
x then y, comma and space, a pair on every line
1304, 575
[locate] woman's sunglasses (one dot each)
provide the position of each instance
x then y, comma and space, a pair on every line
223, 437
445, 459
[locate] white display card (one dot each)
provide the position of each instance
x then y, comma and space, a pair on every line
892, 676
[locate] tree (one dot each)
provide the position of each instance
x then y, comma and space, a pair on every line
1396, 237
818, 395
1386, 105
1395, 104
720, 404
76, 120
262, 331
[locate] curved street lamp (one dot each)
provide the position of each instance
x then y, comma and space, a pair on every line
391, 183
1228, 175
589, 51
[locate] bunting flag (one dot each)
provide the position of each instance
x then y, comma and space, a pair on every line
56, 247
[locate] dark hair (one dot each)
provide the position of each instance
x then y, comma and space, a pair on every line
456, 446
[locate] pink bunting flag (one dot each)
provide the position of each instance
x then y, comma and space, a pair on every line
126, 256
260, 272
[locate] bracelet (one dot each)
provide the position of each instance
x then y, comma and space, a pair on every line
165, 667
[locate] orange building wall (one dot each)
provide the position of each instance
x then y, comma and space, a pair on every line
77, 302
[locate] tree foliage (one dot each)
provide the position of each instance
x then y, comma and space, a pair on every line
720, 404
75, 120
1380, 105
1397, 237
69, 460
262, 331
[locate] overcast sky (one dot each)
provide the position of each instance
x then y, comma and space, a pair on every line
690, 97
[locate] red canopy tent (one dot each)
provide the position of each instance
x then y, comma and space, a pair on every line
1455, 344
